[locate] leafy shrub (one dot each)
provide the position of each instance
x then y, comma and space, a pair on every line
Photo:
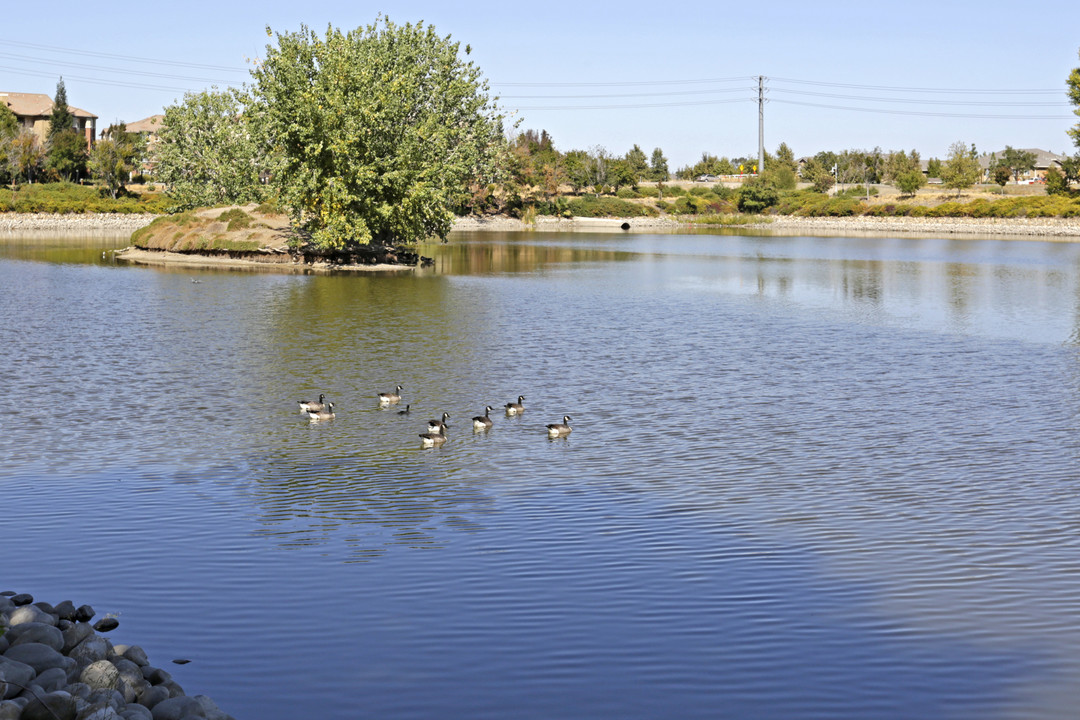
627, 193
66, 197
236, 218
589, 206
757, 197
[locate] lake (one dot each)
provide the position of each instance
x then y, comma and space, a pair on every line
809, 477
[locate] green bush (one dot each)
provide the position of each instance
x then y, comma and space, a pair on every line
66, 197
590, 206
627, 193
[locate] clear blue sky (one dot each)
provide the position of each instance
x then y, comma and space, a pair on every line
852, 56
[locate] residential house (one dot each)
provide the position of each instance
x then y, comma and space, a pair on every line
34, 109
150, 129
1044, 160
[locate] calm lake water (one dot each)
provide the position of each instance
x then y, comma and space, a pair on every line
808, 477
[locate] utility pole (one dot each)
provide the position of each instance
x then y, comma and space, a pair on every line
761, 124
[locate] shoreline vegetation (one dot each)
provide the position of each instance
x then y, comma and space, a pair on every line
259, 236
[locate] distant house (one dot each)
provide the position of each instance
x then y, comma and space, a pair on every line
149, 128
33, 111
1044, 160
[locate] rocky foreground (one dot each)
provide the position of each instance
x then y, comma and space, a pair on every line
55, 665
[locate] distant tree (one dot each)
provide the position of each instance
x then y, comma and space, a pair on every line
785, 156
1019, 162
658, 166
1000, 174
961, 169
61, 118
577, 170
1072, 84
598, 163
819, 176
67, 154
1055, 182
621, 174
910, 181
904, 171
934, 168
637, 164
111, 159
1070, 168
206, 154
9, 123
24, 157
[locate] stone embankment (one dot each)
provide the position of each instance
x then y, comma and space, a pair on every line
47, 222
54, 665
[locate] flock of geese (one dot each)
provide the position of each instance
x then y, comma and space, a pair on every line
319, 410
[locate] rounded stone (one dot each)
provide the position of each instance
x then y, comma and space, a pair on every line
178, 708
83, 613
75, 634
152, 695
52, 680
38, 656
135, 654
22, 599
65, 610
136, 712
29, 614
106, 624
14, 676
51, 706
101, 675
90, 650
10, 710
37, 632
103, 712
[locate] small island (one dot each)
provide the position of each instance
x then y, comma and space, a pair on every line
254, 236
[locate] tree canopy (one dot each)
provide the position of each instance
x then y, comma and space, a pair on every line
61, 118
1072, 84
207, 153
375, 133
961, 170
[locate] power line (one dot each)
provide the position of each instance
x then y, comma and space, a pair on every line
924, 101
926, 113
90, 53
621, 95
888, 88
122, 71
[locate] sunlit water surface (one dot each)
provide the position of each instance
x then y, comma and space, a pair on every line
808, 477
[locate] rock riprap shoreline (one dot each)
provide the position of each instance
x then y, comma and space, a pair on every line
56, 665
73, 222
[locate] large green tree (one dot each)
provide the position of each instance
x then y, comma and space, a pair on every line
207, 153
67, 154
658, 167
376, 132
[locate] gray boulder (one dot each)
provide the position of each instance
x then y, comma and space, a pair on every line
52, 680
152, 695
36, 632
136, 712
65, 610
75, 634
22, 599
134, 653
14, 676
10, 710
90, 650
38, 656
213, 712
29, 614
99, 713
50, 706
101, 675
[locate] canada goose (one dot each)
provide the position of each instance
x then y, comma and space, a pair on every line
482, 422
326, 413
560, 429
405, 411
310, 406
390, 397
430, 439
438, 426
516, 408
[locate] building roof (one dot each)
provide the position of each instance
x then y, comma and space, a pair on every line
1043, 158
36, 105
152, 124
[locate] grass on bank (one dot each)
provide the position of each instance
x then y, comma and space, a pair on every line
64, 198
